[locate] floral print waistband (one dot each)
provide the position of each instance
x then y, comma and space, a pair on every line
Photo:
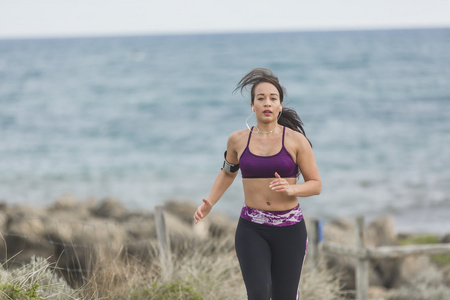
272, 218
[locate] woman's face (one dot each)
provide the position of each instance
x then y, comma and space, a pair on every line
266, 104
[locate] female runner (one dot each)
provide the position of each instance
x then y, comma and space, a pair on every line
271, 237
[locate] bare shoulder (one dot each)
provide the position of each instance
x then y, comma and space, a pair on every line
235, 145
296, 140
236, 137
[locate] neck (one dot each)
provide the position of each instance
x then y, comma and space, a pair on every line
266, 128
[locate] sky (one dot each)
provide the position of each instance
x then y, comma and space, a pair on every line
71, 18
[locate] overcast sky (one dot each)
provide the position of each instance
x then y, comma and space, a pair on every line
61, 18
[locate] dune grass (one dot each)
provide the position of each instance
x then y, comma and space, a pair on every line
34, 281
428, 285
200, 270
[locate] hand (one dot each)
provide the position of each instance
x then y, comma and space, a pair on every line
281, 185
202, 211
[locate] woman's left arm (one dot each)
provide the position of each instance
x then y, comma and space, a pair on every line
308, 168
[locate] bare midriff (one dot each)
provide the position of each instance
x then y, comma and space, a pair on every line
259, 195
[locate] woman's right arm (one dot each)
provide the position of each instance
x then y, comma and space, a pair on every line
221, 184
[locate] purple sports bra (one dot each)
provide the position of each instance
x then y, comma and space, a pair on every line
255, 166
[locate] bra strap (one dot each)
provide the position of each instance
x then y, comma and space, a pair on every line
249, 136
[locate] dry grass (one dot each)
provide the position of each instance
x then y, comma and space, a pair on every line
34, 281
212, 269
318, 282
200, 270
428, 285
115, 278
206, 269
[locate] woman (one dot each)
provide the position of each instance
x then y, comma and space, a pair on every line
271, 236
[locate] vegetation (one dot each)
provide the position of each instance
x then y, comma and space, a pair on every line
34, 281
423, 239
200, 270
197, 270
428, 285
438, 259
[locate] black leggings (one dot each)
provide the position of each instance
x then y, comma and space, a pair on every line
271, 259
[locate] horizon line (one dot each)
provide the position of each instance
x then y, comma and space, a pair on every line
218, 32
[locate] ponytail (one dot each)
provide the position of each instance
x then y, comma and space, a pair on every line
291, 119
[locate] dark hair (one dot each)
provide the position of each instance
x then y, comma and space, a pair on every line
288, 117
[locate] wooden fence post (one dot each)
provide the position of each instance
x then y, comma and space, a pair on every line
363, 255
163, 242
314, 238
362, 264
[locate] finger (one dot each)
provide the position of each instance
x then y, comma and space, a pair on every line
277, 175
206, 202
198, 214
280, 185
277, 186
277, 182
197, 218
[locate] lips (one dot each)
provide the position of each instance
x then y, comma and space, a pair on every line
267, 112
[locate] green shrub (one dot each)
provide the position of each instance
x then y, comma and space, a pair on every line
441, 259
419, 240
14, 291
33, 281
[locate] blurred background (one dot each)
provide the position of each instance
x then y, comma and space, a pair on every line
133, 100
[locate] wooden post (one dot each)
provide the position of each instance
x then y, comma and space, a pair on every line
362, 264
363, 255
163, 242
314, 238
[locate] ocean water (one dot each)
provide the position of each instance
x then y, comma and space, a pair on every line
146, 118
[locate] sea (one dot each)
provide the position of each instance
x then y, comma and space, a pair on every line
145, 119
